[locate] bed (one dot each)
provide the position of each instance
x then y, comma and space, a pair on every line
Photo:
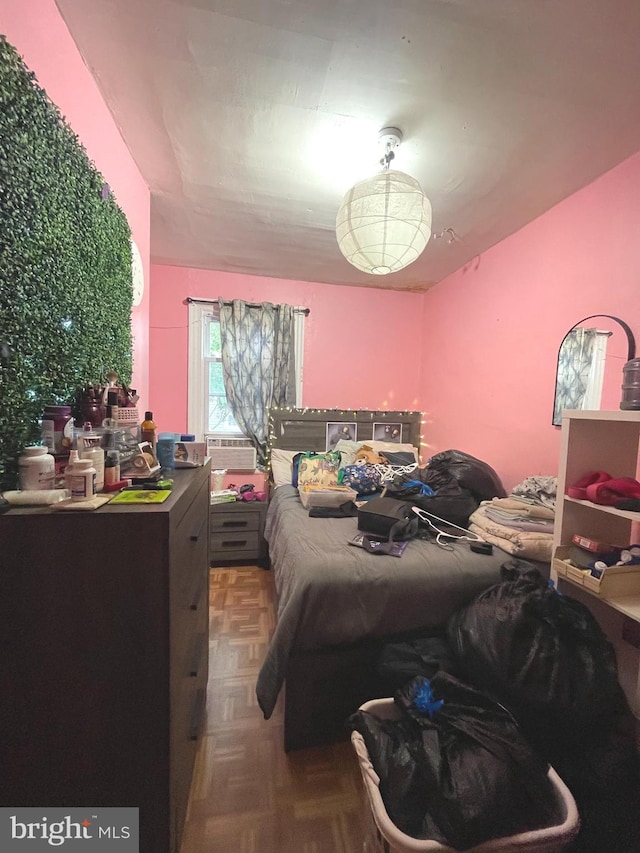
338, 605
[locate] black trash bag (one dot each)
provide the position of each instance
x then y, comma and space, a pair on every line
403, 787
449, 500
478, 763
466, 770
473, 474
403, 661
544, 656
541, 653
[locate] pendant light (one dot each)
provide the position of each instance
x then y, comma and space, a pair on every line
384, 222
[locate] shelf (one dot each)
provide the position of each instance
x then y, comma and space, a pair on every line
629, 416
628, 605
609, 510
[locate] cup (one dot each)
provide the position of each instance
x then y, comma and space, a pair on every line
165, 448
217, 479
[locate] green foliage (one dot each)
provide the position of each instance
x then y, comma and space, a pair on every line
65, 265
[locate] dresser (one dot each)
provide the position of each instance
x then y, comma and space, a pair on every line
103, 671
237, 533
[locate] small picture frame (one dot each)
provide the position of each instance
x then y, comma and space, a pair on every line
387, 432
337, 430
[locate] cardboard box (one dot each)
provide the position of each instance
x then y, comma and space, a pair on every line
189, 454
616, 581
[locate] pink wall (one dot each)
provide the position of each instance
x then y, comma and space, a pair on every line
37, 31
492, 329
362, 347
478, 351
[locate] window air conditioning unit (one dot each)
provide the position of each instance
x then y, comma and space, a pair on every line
232, 454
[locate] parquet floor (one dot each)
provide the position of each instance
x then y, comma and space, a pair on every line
247, 794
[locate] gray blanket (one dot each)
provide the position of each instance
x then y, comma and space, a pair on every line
330, 593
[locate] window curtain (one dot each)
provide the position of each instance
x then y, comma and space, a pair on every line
574, 370
257, 350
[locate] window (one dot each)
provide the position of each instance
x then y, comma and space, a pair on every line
208, 411
217, 414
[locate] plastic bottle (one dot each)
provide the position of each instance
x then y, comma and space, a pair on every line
111, 468
96, 456
112, 405
81, 480
57, 428
148, 429
166, 450
36, 469
631, 385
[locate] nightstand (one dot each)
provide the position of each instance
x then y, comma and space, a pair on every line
236, 532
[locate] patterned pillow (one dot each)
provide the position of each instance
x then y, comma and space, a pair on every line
365, 479
318, 469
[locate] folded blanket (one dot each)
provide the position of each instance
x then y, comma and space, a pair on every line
521, 506
521, 543
542, 489
519, 522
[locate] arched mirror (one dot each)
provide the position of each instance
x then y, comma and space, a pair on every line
590, 361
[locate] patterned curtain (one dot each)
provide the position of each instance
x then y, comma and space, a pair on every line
256, 343
574, 367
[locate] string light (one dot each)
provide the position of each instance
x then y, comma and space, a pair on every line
356, 414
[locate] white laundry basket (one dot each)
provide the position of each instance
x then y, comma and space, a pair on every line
383, 836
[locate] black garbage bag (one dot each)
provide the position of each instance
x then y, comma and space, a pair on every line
541, 653
448, 499
545, 657
473, 474
391, 745
461, 761
404, 660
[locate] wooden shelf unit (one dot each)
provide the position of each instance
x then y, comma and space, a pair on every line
602, 441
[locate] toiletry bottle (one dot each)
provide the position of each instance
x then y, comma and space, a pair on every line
82, 480
111, 468
148, 429
96, 455
112, 405
36, 469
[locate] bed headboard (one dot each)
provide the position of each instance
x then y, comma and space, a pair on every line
306, 429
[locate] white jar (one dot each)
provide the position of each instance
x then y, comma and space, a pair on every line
81, 479
96, 455
36, 469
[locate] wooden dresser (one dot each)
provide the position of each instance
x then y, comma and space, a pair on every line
103, 668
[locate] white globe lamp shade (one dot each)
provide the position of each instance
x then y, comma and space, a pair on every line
384, 223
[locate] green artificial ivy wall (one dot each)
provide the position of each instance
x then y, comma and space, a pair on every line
65, 265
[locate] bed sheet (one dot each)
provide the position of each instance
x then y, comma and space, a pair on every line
331, 593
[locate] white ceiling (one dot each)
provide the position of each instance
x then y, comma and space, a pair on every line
249, 119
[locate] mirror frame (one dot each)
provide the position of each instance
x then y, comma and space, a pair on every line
631, 349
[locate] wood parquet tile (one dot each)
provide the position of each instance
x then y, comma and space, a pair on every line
247, 794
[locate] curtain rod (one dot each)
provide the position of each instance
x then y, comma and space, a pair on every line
189, 299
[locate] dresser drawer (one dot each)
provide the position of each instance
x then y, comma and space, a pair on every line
228, 541
232, 521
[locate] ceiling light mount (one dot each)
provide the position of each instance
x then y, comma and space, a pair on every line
389, 140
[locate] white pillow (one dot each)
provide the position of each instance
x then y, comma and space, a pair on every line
347, 450
282, 466
392, 447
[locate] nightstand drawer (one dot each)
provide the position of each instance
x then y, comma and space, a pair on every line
234, 521
233, 540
